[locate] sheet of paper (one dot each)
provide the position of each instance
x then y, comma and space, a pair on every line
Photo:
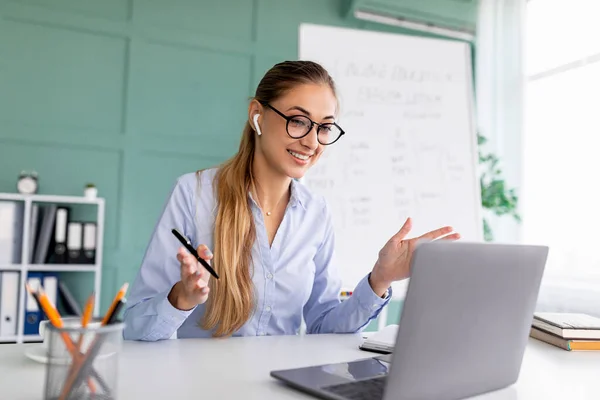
386, 336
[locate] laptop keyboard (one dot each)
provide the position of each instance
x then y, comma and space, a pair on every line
370, 389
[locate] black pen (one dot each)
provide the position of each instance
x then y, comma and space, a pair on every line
186, 242
115, 314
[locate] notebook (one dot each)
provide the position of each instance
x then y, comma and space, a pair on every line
382, 341
568, 325
566, 344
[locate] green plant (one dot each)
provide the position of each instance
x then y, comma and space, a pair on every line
495, 196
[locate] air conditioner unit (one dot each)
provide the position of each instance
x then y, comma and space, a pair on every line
455, 20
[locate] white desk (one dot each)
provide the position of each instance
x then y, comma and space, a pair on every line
239, 368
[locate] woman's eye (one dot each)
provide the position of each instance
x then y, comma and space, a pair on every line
298, 122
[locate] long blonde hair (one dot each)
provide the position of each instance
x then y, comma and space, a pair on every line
231, 301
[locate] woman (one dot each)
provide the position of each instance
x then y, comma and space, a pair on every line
272, 239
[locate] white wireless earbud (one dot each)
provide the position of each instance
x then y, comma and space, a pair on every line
256, 125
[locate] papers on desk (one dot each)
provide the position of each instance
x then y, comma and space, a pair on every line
382, 341
568, 331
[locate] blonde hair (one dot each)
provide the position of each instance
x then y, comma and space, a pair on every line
231, 301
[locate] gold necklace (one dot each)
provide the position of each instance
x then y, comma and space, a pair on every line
267, 213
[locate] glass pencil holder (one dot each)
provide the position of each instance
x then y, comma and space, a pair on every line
83, 362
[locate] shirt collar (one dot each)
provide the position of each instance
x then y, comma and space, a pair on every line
298, 195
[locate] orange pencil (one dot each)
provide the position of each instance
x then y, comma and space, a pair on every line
118, 297
86, 317
56, 320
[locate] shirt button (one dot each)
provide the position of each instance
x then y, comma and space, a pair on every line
375, 306
268, 308
270, 276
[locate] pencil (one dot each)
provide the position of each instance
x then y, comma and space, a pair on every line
86, 317
120, 294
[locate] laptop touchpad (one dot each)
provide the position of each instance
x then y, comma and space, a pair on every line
358, 370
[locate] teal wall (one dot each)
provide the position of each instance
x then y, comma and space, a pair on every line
131, 94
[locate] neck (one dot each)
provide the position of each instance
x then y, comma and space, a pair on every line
272, 187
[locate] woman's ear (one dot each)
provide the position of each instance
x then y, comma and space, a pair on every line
254, 111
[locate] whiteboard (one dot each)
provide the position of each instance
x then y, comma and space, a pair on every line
410, 148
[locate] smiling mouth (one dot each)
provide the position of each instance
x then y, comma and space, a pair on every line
299, 156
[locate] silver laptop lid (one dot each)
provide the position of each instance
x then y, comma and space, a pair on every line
466, 319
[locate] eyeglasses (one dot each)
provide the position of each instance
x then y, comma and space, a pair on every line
298, 126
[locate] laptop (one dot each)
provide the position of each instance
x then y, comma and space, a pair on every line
463, 330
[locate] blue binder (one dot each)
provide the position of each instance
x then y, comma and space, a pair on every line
33, 315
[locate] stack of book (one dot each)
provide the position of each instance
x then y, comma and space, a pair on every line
569, 331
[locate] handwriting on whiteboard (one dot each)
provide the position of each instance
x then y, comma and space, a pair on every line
397, 73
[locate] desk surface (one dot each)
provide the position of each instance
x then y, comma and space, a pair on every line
239, 368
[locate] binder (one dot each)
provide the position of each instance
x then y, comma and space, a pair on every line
33, 232
58, 251
50, 284
69, 304
11, 231
45, 234
89, 243
9, 300
33, 315
74, 243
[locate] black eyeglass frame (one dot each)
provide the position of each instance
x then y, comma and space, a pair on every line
312, 123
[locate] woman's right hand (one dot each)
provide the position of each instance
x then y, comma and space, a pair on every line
193, 288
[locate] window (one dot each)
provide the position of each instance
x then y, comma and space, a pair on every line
560, 197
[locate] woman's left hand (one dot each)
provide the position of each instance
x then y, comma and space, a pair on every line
394, 259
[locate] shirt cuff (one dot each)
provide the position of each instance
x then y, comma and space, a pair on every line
170, 314
367, 298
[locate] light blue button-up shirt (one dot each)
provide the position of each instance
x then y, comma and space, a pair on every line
295, 277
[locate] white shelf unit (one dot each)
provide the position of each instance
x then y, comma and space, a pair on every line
24, 267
